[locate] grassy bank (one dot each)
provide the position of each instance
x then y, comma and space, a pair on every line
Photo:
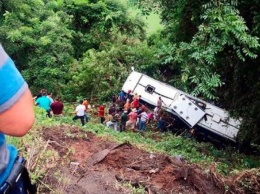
39, 159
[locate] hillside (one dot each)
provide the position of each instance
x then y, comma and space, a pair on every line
66, 158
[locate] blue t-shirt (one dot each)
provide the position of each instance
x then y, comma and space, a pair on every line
121, 95
12, 87
44, 102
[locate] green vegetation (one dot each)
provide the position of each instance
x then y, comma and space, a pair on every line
153, 23
76, 48
40, 159
228, 160
84, 49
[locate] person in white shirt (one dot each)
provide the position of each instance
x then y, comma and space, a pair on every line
80, 113
143, 119
156, 113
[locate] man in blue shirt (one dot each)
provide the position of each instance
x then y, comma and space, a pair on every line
45, 103
15, 97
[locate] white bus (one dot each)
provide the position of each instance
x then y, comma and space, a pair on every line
191, 110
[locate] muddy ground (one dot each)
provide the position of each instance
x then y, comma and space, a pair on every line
90, 164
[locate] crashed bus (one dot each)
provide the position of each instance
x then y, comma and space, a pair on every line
193, 112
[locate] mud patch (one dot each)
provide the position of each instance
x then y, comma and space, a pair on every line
89, 164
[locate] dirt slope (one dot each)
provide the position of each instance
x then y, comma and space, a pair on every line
90, 164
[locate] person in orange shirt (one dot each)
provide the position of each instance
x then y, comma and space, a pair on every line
85, 103
127, 105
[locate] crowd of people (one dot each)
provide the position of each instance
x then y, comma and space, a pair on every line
127, 111
45, 101
55, 107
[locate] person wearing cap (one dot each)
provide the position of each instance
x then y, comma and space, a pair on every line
132, 119
135, 95
128, 95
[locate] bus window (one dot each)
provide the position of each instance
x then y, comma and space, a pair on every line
150, 89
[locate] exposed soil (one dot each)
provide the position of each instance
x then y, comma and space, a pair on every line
90, 164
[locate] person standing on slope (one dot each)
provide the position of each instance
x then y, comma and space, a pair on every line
80, 113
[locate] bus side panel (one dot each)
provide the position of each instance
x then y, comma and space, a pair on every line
187, 110
221, 128
141, 87
167, 93
131, 81
224, 116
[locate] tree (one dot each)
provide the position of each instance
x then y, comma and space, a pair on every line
101, 73
37, 36
95, 22
105, 38
217, 55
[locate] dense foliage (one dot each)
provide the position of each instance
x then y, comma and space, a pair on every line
85, 48
217, 44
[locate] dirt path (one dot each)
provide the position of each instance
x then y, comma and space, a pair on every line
90, 164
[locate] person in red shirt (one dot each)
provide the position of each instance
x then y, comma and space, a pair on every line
57, 107
101, 113
135, 103
143, 108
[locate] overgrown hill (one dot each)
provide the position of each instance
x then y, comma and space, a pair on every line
62, 156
